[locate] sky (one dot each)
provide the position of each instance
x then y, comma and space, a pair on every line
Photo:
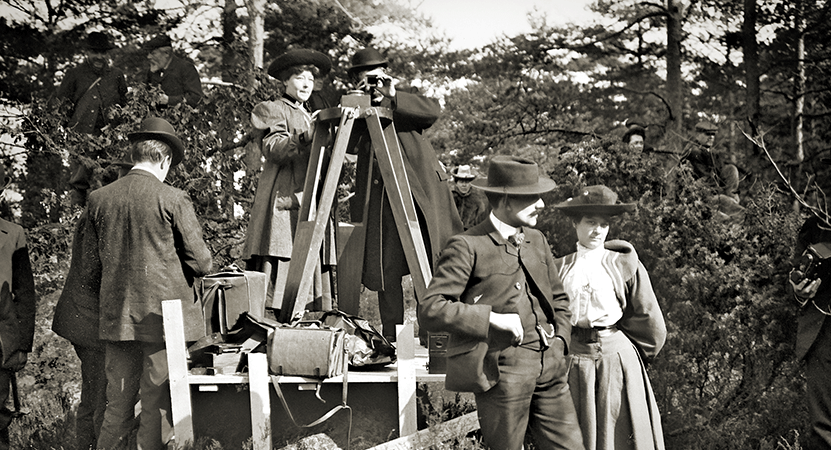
475, 23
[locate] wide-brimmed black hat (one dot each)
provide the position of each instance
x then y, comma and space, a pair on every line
160, 129
159, 41
366, 59
596, 199
99, 41
6, 179
300, 57
516, 176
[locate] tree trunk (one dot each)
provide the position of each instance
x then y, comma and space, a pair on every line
750, 49
799, 84
256, 31
674, 86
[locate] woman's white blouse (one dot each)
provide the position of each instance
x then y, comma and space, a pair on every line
591, 294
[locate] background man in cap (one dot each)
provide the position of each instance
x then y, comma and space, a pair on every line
150, 248
813, 336
471, 203
708, 163
384, 260
497, 292
93, 86
18, 304
177, 76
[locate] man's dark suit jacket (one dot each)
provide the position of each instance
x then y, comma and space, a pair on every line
810, 318
150, 247
478, 272
179, 81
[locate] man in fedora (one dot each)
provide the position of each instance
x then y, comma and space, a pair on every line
471, 203
497, 292
384, 261
812, 290
149, 244
18, 303
177, 76
94, 86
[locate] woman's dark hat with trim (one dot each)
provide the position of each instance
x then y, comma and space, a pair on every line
366, 59
633, 129
300, 57
98, 41
158, 41
596, 199
160, 129
514, 176
7, 180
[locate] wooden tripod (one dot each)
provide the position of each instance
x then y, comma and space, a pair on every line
315, 209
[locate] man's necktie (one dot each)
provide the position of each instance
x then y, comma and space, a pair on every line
516, 239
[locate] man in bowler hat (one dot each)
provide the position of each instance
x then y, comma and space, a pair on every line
384, 261
149, 244
177, 76
497, 292
18, 304
94, 86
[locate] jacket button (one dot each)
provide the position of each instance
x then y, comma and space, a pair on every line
518, 286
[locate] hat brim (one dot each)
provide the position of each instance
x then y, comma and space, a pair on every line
170, 139
543, 185
300, 58
7, 180
600, 210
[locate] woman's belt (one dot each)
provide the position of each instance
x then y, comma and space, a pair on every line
591, 335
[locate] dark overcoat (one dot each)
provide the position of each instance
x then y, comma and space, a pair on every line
90, 102
478, 273
76, 314
429, 183
18, 300
150, 245
179, 81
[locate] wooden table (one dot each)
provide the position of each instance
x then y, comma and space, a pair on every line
211, 405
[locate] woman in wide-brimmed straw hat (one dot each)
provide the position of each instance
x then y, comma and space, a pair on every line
616, 324
283, 129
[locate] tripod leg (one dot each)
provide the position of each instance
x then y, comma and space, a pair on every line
309, 235
391, 164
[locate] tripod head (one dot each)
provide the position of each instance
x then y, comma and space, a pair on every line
355, 98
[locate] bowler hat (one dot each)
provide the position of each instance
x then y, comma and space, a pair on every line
99, 41
160, 129
159, 41
706, 127
366, 59
516, 176
596, 199
300, 57
6, 179
463, 172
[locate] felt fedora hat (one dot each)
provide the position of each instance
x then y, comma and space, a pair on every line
596, 199
515, 176
463, 172
159, 41
366, 59
99, 41
160, 129
300, 57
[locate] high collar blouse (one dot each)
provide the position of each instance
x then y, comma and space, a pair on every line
590, 289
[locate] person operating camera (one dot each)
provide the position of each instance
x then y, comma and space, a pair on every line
813, 339
384, 261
